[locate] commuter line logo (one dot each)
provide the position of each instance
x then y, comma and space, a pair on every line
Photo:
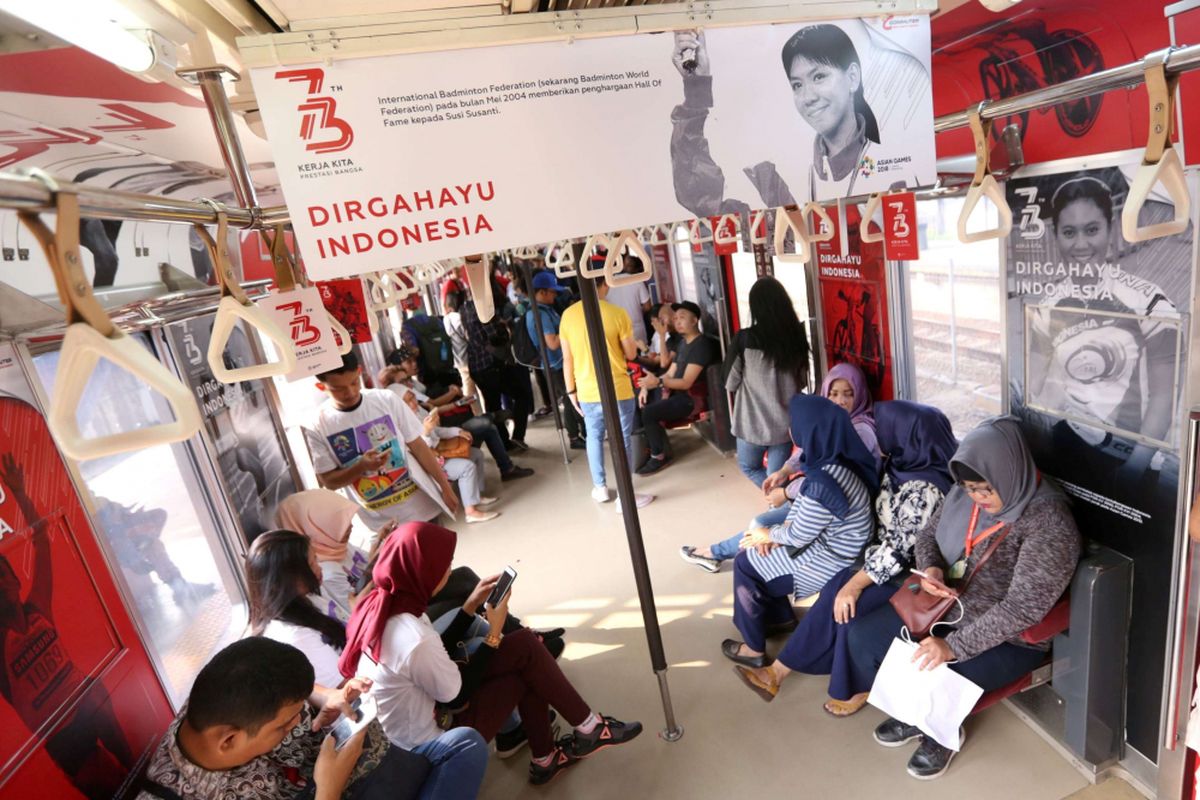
320, 127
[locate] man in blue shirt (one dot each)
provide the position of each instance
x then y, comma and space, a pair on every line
545, 291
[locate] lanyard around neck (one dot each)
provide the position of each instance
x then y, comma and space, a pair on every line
972, 539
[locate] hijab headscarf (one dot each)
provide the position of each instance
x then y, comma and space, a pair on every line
321, 515
997, 451
917, 441
412, 562
863, 411
823, 432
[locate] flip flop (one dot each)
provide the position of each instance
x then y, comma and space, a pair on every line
767, 691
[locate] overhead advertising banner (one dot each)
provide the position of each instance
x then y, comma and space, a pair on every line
404, 159
1097, 348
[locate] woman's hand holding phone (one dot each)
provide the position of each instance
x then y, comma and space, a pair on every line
932, 581
498, 615
480, 593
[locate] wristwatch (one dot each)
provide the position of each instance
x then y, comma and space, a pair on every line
492, 640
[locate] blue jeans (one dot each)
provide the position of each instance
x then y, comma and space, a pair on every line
728, 548
750, 459
593, 416
484, 431
459, 758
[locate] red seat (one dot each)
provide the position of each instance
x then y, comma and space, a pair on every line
1051, 625
699, 395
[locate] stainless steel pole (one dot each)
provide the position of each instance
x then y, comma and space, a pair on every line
633, 527
212, 87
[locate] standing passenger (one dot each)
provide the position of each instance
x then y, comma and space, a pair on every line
545, 292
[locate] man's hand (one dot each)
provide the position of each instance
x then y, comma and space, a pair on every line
650, 381
337, 702
449, 497
575, 402
373, 459
334, 767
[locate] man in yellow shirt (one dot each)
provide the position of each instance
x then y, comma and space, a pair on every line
584, 390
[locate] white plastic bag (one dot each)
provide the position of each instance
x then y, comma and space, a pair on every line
936, 701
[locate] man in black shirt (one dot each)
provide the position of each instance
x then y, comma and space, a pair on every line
695, 354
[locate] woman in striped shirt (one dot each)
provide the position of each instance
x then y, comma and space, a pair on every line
825, 532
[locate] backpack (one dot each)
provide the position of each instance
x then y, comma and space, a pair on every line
525, 351
437, 353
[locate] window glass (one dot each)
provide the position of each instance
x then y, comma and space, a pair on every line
152, 514
954, 315
685, 272
745, 273
794, 278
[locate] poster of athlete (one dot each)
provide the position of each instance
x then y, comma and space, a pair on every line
854, 303
251, 457
1097, 335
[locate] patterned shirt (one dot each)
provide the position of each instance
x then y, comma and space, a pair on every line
279, 775
479, 350
902, 514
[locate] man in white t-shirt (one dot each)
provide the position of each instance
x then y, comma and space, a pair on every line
367, 444
634, 298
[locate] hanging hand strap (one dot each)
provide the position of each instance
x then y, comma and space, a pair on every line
983, 185
1160, 163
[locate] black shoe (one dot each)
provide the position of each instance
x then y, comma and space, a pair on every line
609, 733
688, 554
653, 465
515, 446
515, 473
555, 646
579, 444
561, 759
931, 759
544, 411
894, 733
782, 628
730, 647
509, 743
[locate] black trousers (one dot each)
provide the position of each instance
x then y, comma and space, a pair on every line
512, 380
678, 406
571, 419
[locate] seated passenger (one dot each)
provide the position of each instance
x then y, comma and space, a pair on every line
664, 343
846, 386
918, 443
695, 354
825, 532
327, 519
1001, 504
466, 472
392, 642
251, 730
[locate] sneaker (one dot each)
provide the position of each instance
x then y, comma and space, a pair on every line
561, 758
608, 733
894, 733
601, 494
515, 473
653, 464
688, 554
640, 500
931, 759
509, 743
516, 445
579, 444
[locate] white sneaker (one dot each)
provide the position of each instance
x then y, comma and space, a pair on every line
600, 494
640, 500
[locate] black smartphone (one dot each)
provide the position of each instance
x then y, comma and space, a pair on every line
502, 587
365, 710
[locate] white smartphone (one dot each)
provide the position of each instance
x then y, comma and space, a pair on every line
365, 710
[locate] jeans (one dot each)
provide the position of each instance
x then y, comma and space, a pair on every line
728, 548
459, 758
484, 431
676, 407
750, 459
468, 474
593, 415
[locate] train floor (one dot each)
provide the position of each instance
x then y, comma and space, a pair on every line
574, 571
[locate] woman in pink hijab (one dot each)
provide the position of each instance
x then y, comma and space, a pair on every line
327, 519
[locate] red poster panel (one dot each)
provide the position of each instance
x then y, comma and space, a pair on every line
664, 281
344, 298
79, 701
853, 292
257, 264
900, 227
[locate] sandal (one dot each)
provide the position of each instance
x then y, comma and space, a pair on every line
845, 708
767, 690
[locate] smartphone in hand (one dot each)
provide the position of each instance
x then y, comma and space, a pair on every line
365, 710
502, 588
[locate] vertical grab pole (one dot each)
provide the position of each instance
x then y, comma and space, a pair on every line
527, 272
633, 529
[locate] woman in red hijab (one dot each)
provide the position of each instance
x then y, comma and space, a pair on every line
391, 641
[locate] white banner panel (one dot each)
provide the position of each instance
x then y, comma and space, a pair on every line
404, 159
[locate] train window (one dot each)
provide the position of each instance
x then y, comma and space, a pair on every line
745, 273
794, 278
685, 271
954, 317
159, 531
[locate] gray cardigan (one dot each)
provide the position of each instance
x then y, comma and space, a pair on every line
1019, 583
761, 393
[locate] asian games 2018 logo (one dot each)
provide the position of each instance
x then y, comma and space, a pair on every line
866, 166
320, 127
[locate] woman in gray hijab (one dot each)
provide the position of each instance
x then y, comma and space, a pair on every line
1000, 503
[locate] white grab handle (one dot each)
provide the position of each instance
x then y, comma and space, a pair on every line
626, 239
696, 235
735, 224
380, 296
561, 258
229, 311
990, 189
827, 230
82, 348
758, 222
479, 278
874, 203
343, 335
1168, 171
791, 219
526, 253
593, 241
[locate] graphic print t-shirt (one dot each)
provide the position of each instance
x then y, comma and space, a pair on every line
381, 422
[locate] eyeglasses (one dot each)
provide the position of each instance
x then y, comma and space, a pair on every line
982, 492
